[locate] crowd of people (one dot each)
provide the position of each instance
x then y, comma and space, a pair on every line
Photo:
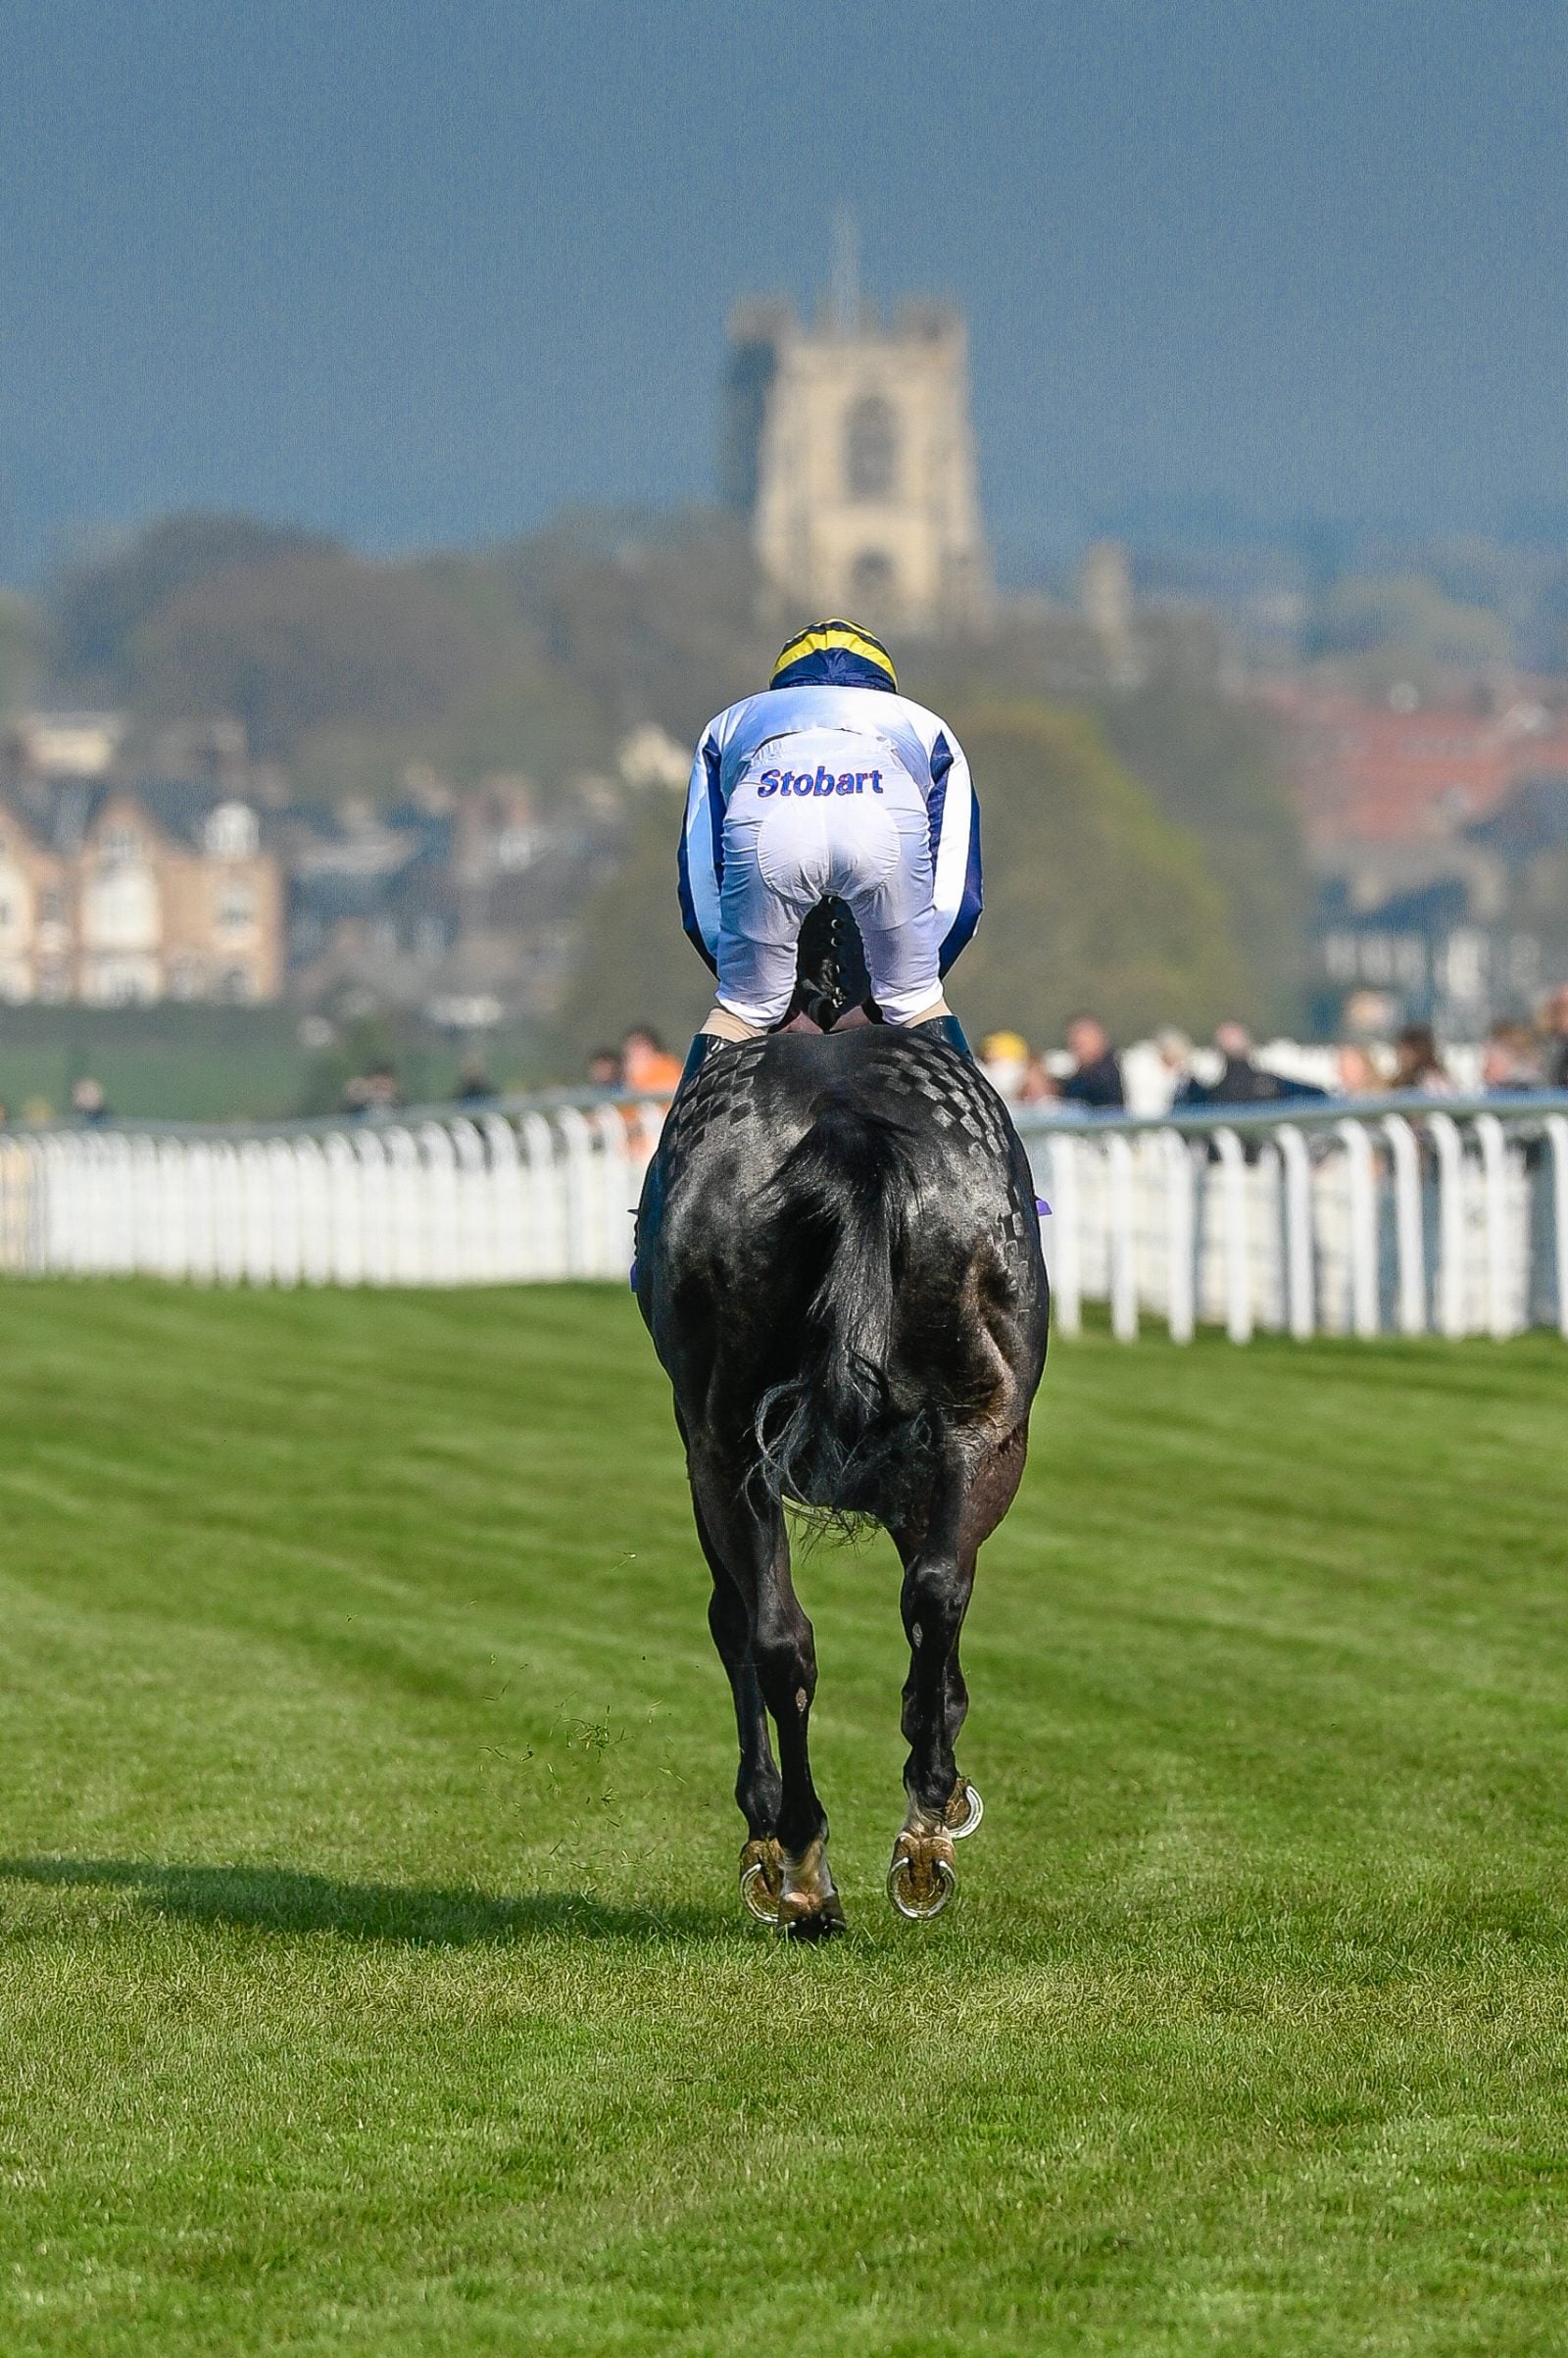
89, 1105
641, 1064
1089, 1072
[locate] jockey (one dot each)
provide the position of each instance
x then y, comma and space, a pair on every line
830, 782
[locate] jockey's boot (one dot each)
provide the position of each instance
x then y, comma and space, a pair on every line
945, 1028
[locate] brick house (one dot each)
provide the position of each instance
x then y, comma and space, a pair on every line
115, 894
1419, 821
35, 911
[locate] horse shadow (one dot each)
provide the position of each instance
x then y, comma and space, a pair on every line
286, 1900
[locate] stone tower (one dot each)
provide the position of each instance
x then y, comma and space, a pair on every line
849, 445
1105, 601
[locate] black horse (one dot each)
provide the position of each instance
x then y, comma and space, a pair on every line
839, 1262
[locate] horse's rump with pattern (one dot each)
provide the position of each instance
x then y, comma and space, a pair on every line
839, 1262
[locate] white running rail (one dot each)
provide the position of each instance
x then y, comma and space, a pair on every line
436, 1198
1395, 1216
1389, 1216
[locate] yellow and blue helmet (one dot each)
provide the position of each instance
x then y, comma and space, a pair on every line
834, 654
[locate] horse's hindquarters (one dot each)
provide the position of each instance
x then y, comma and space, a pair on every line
843, 1282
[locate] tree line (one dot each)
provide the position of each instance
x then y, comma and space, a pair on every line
1141, 849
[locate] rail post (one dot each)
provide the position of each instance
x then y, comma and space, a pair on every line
509, 1244
258, 1205
475, 1252
1557, 1137
117, 1168
1066, 1235
1179, 1274
579, 1143
1300, 1307
405, 1203
329, 1245
1238, 1272
439, 1206
1123, 1267
546, 1238
1364, 1208
144, 1204
1408, 1226
375, 1207
616, 1187
1494, 1202
1445, 1135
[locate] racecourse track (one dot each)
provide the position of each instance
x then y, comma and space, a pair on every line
371, 1975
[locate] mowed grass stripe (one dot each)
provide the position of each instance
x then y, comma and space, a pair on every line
371, 1976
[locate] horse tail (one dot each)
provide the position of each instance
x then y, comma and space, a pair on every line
833, 1435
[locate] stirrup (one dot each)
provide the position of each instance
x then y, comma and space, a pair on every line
945, 1028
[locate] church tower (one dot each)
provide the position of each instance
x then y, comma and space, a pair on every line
849, 445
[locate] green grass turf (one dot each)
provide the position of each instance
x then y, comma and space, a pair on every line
199, 1063
371, 1978
146, 1082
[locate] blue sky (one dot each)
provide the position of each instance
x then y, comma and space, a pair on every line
419, 274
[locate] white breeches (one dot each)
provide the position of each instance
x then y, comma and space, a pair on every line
784, 851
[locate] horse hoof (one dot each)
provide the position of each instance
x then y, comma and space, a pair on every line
762, 1882
920, 1889
974, 1809
755, 1896
809, 1904
822, 1924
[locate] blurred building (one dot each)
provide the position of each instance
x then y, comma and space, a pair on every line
849, 445
68, 744
1439, 832
1106, 601
1395, 771
1424, 934
117, 894
463, 907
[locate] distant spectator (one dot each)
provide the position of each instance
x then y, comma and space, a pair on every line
5, 1113
1417, 1064
1175, 1052
1510, 1059
603, 1068
650, 1068
88, 1103
1358, 1077
1004, 1061
374, 1092
474, 1084
1095, 1077
1037, 1083
1242, 1080
1554, 1039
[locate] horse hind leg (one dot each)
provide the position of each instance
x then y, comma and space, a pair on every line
939, 1804
939, 1561
785, 1651
758, 1789
786, 1824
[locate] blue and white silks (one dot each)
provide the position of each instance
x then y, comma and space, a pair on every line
814, 788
